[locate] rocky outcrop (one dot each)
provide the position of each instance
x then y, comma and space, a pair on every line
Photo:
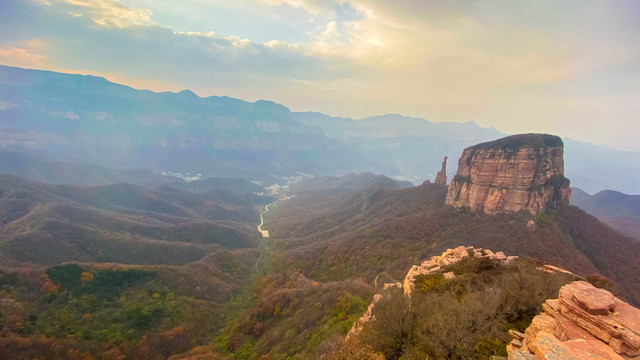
450, 256
520, 172
583, 323
441, 176
429, 266
359, 324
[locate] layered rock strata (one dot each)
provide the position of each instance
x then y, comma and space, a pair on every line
520, 172
583, 323
450, 256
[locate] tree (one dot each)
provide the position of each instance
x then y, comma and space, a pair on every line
86, 277
391, 325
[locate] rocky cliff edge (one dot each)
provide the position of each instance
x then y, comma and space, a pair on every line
583, 323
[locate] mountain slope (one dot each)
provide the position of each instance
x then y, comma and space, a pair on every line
352, 233
338, 246
51, 224
620, 211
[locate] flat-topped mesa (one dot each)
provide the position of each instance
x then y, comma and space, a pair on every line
441, 176
515, 173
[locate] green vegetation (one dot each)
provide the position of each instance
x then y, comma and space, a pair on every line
120, 223
9, 279
105, 284
297, 295
101, 314
535, 141
462, 179
463, 318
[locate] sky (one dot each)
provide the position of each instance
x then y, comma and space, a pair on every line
567, 67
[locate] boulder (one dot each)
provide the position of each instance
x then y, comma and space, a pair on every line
595, 301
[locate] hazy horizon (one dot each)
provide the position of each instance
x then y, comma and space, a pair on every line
517, 67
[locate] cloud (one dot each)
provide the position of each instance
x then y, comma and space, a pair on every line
311, 6
27, 53
512, 65
108, 12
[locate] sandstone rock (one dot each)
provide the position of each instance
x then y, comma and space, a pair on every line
449, 275
448, 257
550, 307
520, 172
388, 286
521, 355
595, 301
554, 269
441, 176
567, 330
357, 326
583, 323
516, 335
540, 323
546, 346
592, 349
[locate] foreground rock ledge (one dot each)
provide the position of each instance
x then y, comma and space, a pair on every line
583, 323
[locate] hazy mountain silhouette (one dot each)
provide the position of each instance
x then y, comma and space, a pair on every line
75, 117
620, 211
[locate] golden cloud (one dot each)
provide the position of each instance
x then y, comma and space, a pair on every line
110, 13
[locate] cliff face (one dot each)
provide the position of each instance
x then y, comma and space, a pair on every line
520, 172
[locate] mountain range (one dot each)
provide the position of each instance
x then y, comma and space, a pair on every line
76, 118
128, 228
618, 210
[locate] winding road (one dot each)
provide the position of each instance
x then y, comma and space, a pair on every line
265, 233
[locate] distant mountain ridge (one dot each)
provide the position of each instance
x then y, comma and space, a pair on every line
618, 210
349, 182
87, 118
44, 170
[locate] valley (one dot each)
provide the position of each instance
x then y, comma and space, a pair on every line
319, 180
151, 225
